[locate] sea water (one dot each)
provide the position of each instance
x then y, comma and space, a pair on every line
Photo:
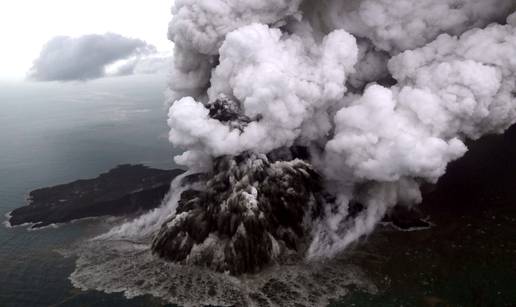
52, 133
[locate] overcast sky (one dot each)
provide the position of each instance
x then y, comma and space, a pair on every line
26, 25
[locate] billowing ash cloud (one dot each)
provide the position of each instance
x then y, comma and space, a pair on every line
382, 93
398, 25
304, 123
86, 57
307, 121
298, 78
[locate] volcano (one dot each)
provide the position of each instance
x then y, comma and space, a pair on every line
248, 212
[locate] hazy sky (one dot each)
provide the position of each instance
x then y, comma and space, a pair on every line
26, 25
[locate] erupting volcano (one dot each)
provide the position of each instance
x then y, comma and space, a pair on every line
380, 96
305, 122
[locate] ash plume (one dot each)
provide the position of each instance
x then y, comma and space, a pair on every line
381, 93
305, 122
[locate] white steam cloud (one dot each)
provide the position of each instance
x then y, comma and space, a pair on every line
299, 79
400, 25
87, 57
383, 92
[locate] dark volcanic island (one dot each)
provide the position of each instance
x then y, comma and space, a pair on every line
249, 211
123, 190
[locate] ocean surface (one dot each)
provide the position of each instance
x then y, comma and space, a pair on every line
52, 133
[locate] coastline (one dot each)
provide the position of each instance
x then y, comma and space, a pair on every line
123, 190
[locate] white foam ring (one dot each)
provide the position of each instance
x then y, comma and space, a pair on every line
122, 261
129, 267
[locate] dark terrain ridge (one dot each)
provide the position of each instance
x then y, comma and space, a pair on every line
126, 189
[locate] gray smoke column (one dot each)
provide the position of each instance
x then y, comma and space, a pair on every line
381, 94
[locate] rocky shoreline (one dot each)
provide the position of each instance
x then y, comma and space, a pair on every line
125, 189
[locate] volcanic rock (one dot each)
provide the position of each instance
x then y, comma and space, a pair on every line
123, 190
247, 213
